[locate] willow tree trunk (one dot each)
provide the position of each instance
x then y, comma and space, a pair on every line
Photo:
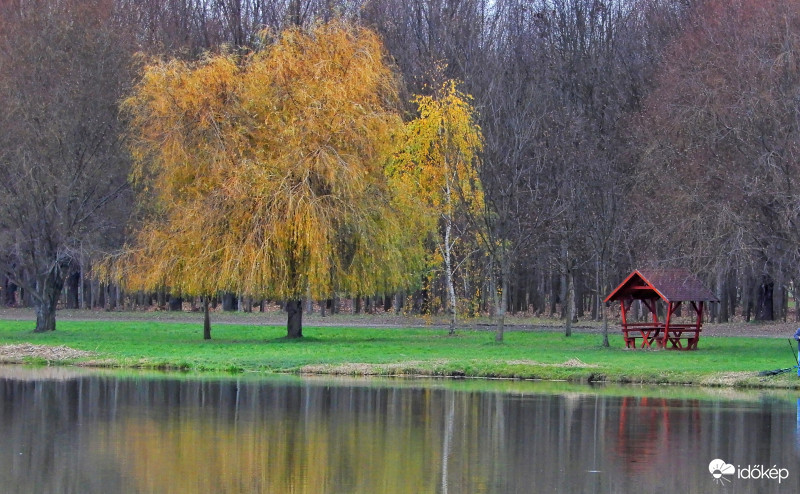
294, 327
206, 320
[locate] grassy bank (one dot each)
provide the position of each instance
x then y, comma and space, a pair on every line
720, 361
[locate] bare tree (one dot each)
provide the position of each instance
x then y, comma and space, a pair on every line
721, 134
63, 67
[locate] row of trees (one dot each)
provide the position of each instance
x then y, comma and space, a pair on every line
612, 134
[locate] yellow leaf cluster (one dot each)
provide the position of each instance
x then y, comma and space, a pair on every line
264, 174
436, 166
439, 159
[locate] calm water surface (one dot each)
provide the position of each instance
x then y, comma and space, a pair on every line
65, 432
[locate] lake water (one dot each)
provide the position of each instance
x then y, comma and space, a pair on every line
65, 431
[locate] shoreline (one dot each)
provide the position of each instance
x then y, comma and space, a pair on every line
43, 356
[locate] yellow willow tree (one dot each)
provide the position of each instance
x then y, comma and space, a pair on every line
264, 174
437, 166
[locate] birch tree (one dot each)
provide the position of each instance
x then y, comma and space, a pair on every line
438, 164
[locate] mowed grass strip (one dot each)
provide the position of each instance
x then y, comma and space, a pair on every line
719, 361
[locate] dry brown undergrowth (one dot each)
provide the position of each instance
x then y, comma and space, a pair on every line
413, 367
17, 353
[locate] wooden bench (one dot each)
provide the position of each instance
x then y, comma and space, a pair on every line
680, 332
679, 337
648, 333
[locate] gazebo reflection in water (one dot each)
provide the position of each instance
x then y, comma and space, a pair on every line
648, 424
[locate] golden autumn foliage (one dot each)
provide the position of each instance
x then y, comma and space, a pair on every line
263, 174
437, 169
438, 162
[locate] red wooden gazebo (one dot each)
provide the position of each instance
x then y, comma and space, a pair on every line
673, 287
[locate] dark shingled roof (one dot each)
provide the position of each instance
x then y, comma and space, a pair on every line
671, 285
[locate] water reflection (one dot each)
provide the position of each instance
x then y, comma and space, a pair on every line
647, 426
105, 434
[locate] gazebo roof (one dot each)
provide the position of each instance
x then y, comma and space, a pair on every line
670, 285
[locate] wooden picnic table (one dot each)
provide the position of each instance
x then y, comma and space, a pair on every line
646, 334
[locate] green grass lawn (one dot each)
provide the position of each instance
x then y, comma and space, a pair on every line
722, 361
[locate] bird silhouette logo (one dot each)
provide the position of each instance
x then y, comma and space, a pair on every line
719, 469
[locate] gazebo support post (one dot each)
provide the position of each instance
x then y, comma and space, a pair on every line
670, 309
698, 324
624, 311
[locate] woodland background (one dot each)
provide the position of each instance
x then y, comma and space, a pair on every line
617, 134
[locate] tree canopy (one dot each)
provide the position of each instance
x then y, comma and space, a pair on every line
436, 168
263, 174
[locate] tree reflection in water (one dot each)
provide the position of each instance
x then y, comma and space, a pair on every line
104, 434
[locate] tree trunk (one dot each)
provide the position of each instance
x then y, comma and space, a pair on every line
45, 300
722, 294
73, 281
175, 303
779, 300
448, 274
596, 295
81, 286
569, 302
294, 327
120, 297
206, 320
9, 293
108, 302
764, 299
796, 303
563, 292
500, 311
45, 317
604, 308
747, 299
578, 301
228, 302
